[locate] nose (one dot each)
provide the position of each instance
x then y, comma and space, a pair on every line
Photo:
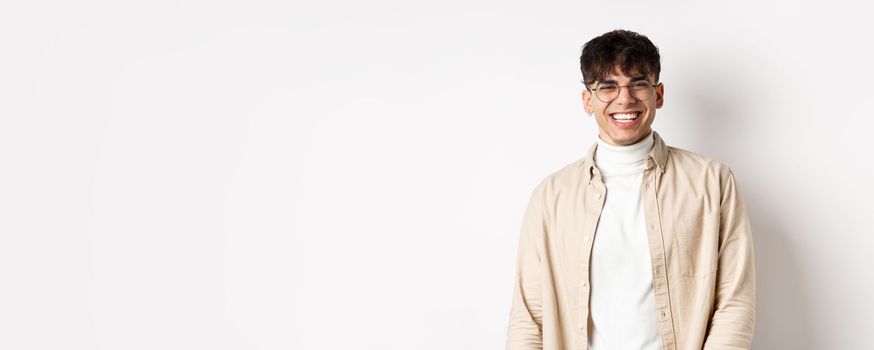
624, 96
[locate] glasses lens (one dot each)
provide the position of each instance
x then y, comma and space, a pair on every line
639, 90
607, 92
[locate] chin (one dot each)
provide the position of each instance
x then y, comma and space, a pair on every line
628, 139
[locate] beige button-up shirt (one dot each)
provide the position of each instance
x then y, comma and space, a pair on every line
699, 241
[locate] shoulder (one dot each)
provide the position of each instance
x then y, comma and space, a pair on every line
692, 163
691, 168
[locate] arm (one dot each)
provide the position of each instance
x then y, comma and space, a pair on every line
525, 327
733, 320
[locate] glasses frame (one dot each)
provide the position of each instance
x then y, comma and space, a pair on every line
595, 91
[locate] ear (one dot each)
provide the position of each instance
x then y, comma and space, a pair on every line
660, 95
587, 101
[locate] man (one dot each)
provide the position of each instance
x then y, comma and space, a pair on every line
638, 245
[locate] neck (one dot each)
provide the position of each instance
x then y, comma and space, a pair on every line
611, 156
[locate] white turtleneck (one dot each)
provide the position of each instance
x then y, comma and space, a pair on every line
622, 309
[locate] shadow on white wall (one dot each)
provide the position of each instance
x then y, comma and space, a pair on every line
726, 128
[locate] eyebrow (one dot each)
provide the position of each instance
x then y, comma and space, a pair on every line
634, 78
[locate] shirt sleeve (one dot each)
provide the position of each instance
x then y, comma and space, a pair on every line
733, 321
525, 327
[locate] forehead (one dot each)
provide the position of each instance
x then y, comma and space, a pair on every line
619, 77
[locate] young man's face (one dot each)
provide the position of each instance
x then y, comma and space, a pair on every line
626, 119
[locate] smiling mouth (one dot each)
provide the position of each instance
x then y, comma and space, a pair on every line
625, 117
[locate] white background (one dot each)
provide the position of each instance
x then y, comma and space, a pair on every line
352, 175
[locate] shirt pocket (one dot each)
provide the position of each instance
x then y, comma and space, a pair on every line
698, 244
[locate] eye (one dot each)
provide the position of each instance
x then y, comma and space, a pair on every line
607, 88
642, 84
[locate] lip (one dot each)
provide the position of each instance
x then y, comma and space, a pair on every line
625, 112
625, 125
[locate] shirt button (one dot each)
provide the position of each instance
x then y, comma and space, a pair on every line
586, 238
584, 283
597, 195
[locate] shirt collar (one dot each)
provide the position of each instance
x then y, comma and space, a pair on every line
658, 155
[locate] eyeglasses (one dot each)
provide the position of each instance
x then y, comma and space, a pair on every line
640, 90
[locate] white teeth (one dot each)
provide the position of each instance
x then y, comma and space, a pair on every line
623, 116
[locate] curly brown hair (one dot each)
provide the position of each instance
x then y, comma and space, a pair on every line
628, 50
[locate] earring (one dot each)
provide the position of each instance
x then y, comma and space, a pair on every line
590, 114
